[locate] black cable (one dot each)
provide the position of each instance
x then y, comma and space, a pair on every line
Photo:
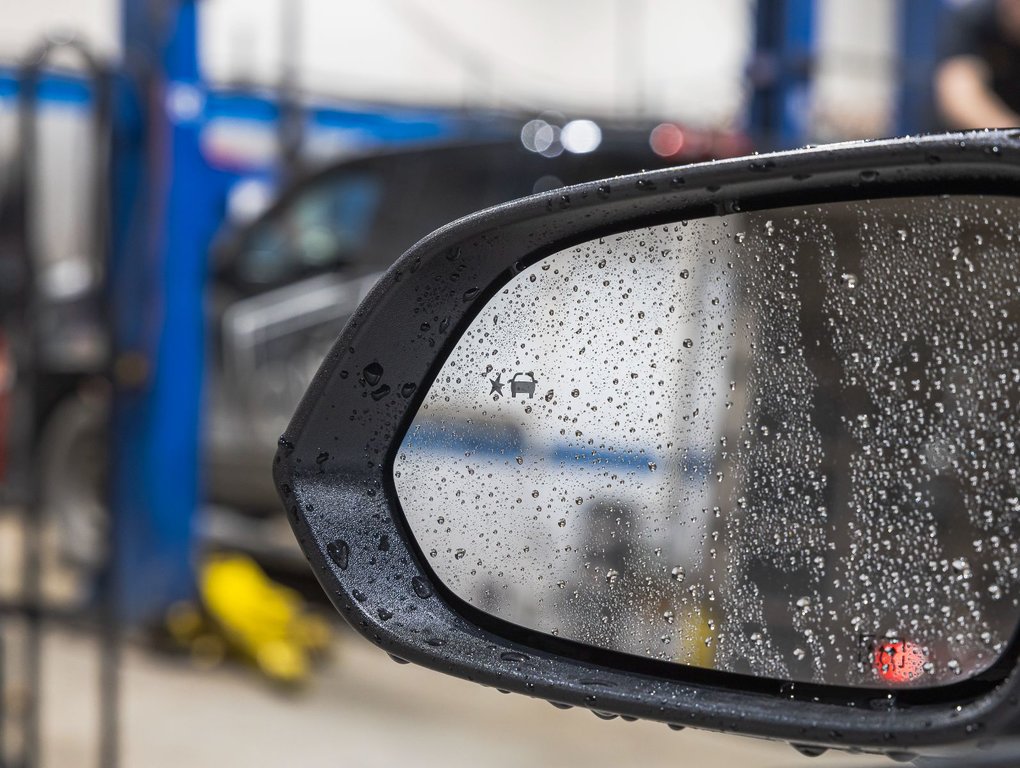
109, 634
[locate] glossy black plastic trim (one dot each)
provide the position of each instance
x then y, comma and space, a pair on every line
333, 467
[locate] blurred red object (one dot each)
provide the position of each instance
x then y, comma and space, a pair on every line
675, 142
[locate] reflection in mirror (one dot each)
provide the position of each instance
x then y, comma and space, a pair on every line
778, 443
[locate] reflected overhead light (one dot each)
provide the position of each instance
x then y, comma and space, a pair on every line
581, 136
537, 135
543, 137
666, 140
548, 143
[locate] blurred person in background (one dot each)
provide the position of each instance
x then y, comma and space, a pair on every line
977, 82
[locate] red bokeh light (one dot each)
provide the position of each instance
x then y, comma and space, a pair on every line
667, 139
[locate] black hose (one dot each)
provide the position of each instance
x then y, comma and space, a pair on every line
29, 370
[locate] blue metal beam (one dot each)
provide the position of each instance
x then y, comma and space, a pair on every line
781, 73
164, 218
919, 26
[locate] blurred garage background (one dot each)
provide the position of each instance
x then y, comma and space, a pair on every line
194, 195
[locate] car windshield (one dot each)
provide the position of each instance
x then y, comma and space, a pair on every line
362, 215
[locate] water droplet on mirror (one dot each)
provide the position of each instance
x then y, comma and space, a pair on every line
849, 280
612, 575
799, 653
372, 373
459, 554
688, 343
668, 616
421, 587
339, 552
678, 574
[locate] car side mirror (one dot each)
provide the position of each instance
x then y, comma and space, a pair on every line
730, 446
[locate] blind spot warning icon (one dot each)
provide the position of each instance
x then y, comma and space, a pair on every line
520, 386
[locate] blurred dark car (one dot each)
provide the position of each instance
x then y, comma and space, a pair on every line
283, 286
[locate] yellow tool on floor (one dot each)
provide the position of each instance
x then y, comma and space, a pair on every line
246, 614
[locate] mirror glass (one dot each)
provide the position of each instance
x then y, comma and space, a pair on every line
778, 443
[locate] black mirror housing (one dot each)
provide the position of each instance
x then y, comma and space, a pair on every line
333, 465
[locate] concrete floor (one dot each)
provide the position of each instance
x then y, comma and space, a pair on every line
363, 710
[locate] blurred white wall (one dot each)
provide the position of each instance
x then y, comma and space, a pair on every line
661, 58
25, 21
855, 76
604, 56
